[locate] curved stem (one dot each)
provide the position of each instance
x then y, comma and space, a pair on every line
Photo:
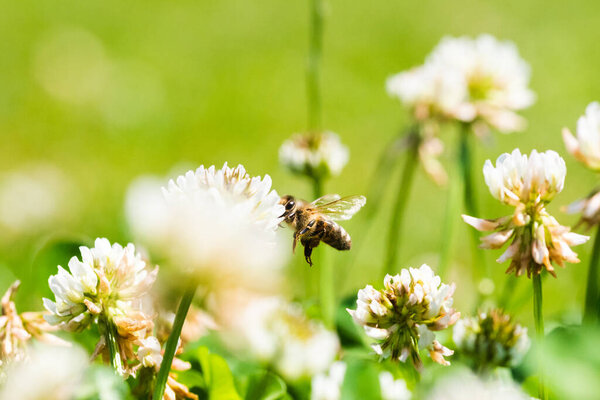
110, 336
539, 330
171, 347
404, 186
590, 313
313, 68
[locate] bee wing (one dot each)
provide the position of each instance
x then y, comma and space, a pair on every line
328, 198
342, 209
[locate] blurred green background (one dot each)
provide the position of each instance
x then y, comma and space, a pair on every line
100, 92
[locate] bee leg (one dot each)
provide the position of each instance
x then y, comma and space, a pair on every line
295, 242
307, 253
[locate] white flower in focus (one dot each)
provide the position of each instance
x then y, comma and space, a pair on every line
222, 227
491, 339
586, 147
109, 280
279, 333
314, 155
329, 386
528, 184
495, 78
393, 389
470, 387
50, 373
403, 316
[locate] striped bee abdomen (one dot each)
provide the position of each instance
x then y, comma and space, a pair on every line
336, 236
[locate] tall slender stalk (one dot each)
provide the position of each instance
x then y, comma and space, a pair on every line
591, 310
452, 212
404, 186
110, 335
539, 330
470, 197
171, 347
326, 284
314, 64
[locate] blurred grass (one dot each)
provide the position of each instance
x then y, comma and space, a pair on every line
207, 82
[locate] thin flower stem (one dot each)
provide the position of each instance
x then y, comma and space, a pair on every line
326, 284
469, 197
590, 312
313, 67
113, 347
404, 186
172, 342
539, 330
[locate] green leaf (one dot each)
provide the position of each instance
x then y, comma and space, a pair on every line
264, 385
217, 376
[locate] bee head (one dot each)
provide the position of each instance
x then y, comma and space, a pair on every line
289, 202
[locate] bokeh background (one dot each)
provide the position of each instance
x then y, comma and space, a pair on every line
94, 94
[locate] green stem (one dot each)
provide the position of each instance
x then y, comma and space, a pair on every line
469, 198
113, 347
313, 68
171, 347
539, 330
591, 294
404, 186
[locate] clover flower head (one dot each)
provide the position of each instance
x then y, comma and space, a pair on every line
586, 146
528, 184
221, 227
315, 155
277, 332
492, 339
328, 386
109, 281
403, 316
495, 79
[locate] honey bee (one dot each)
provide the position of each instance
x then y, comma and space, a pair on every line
315, 222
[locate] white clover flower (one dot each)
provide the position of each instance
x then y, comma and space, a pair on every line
528, 184
221, 227
274, 331
403, 316
429, 91
49, 373
586, 147
328, 386
491, 339
495, 79
109, 281
393, 389
318, 155
466, 386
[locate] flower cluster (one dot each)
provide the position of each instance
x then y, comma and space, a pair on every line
404, 315
492, 339
470, 80
328, 386
528, 184
220, 227
315, 155
107, 286
586, 148
280, 334
16, 330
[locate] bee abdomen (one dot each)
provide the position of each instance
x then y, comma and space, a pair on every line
337, 237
